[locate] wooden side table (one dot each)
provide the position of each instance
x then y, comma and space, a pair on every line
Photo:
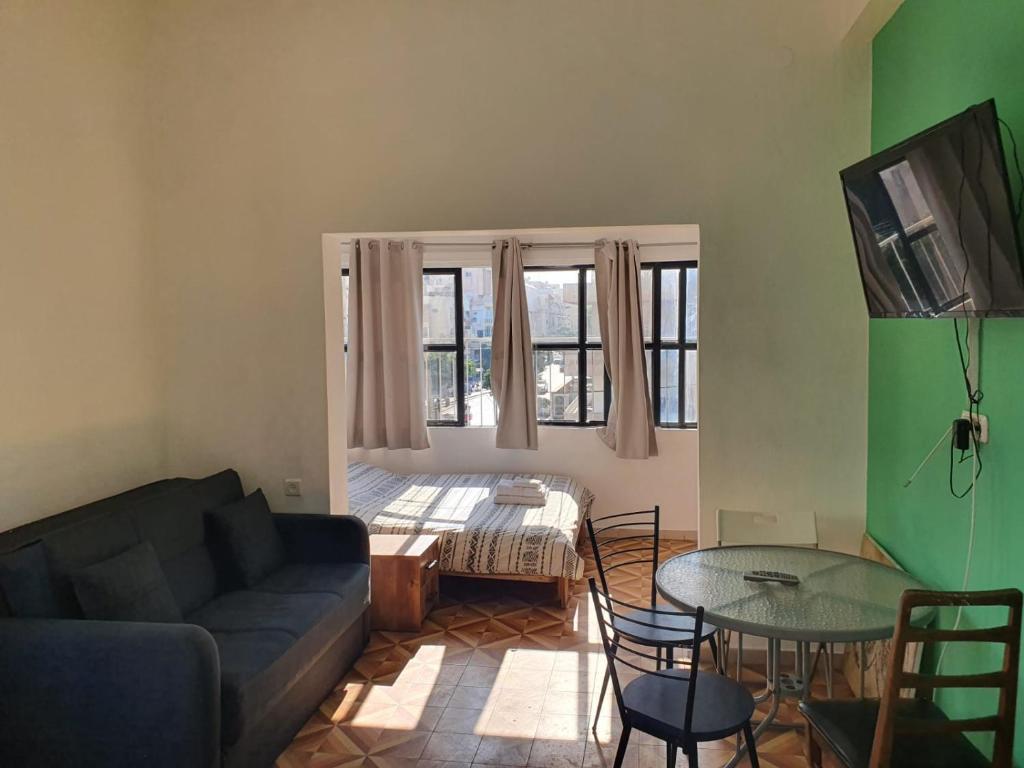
403, 580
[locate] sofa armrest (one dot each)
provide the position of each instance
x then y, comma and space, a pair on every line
108, 693
311, 538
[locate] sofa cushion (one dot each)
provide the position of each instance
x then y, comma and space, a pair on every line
128, 587
310, 578
26, 585
251, 543
175, 524
269, 639
78, 546
42, 528
168, 513
217, 490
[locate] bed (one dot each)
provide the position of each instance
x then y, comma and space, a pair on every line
478, 537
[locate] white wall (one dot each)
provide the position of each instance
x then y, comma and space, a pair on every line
276, 121
80, 413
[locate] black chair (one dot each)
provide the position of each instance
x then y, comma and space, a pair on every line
633, 538
681, 706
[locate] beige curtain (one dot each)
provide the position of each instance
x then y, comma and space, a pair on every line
386, 403
630, 429
513, 381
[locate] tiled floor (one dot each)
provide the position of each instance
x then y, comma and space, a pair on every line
499, 675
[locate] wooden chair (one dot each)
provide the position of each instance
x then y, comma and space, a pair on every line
682, 706
630, 539
902, 732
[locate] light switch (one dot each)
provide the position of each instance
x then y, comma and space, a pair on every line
293, 487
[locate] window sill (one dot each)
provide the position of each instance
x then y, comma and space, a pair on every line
579, 427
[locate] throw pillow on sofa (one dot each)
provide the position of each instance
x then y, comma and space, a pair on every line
25, 583
130, 586
245, 530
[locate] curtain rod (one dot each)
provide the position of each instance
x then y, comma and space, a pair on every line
590, 244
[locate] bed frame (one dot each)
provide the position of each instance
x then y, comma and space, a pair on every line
564, 583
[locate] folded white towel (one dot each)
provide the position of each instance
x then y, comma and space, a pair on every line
522, 487
526, 482
524, 501
521, 491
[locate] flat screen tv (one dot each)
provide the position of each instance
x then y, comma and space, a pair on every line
934, 226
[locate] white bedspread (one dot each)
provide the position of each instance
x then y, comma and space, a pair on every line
477, 535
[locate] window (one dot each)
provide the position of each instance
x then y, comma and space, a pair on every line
478, 323
572, 386
442, 346
569, 364
669, 318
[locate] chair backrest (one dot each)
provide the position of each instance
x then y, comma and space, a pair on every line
1005, 680
798, 528
626, 539
620, 650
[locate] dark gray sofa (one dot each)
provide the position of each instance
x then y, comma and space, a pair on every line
230, 686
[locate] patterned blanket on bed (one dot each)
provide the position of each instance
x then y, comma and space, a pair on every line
476, 535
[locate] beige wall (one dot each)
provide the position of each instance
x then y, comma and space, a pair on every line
79, 394
277, 121
271, 122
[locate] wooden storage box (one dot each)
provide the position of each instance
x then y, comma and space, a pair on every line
403, 580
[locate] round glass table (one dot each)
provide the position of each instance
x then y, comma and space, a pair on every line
839, 598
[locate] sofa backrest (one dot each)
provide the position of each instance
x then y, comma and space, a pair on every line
170, 514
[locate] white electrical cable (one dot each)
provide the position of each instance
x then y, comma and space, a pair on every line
927, 458
970, 554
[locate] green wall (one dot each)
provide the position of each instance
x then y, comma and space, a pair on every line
933, 59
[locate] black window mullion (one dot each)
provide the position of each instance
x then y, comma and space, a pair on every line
460, 352
581, 337
656, 342
681, 334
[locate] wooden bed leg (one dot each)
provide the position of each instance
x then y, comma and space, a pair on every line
564, 592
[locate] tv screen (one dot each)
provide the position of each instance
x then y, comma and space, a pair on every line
934, 226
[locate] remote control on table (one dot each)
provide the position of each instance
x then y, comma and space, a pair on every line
788, 579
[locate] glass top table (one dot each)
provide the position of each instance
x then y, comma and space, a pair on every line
840, 598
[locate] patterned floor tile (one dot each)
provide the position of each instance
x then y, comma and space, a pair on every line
500, 675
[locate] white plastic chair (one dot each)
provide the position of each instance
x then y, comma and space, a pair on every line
795, 528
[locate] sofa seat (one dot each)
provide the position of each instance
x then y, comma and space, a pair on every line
319, 578
268, 637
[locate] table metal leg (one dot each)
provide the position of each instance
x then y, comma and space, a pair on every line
739, 657
773, 711
830, 649
863, 667
805, 666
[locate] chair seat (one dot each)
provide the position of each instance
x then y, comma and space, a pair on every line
848, 729
670, 629
657, 705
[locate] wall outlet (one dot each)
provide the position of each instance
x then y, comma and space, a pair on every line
293, 487
980, 425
